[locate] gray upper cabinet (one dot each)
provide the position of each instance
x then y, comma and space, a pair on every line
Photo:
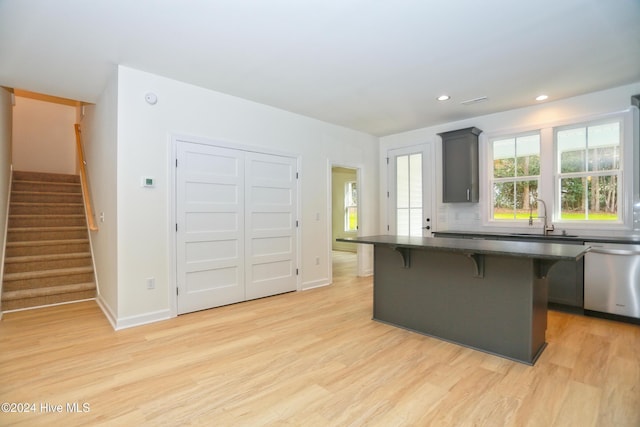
460, 181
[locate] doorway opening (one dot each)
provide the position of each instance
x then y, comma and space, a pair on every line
344, 220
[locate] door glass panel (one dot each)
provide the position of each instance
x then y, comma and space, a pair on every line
402, 222
415, 180
402, 182
409, 195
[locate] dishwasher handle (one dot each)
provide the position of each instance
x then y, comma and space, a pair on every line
607, 251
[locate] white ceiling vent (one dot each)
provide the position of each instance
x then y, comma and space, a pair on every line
474, 100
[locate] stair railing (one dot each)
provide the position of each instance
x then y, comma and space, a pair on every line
91, 220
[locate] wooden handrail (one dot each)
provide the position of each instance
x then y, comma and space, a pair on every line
85, 182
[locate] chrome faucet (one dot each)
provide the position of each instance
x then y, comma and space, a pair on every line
546, 228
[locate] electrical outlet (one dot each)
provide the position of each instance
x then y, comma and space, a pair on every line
151, 282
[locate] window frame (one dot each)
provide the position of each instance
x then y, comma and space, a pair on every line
548, 189
348, 191
514, 179
558, 175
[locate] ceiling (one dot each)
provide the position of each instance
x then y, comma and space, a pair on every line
371, 65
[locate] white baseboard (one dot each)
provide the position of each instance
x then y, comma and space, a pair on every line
131, 321
48, 305
367, 273
142, 319
315, 284
106, 309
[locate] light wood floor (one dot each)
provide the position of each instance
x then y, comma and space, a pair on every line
312, 358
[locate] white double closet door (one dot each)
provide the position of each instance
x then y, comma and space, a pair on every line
236, 225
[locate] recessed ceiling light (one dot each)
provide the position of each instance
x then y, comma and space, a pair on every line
443, 98
541, 97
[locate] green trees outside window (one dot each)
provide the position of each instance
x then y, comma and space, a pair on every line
587, 158
516, 175
589, 172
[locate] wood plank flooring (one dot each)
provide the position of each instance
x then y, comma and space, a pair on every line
312, 358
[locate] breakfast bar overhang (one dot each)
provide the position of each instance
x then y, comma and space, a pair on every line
485, 294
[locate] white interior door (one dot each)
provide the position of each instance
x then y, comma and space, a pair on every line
271, 191
409, 191
210, 226
236, 214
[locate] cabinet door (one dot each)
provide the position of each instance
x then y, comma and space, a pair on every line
566, 280
460, 166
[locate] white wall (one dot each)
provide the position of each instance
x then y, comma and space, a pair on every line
144, 231
43, 136
99, 133
468, 216
6, 122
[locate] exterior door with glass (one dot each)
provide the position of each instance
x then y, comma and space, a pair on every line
409, 191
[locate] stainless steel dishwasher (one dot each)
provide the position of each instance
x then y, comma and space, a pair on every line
612, 279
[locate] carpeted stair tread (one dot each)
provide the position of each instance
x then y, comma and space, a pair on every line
56, 208
46, 242
37, 187
36, 215
46, 220
46, 197
48, 193
60, 228
52, 290
47, 247
44, 176
46, 261
42, 181
50, 257
49, 204
46, 273
46, 233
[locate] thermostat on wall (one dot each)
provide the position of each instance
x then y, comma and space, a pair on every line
148, 181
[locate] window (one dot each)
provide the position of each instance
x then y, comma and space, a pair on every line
516, 176
577, 168
350, 207
589, 167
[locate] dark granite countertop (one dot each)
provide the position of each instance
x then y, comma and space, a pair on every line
575, 239
539, 250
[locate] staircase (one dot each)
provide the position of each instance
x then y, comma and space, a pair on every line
48, 257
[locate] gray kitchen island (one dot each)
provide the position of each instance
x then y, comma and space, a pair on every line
484, 294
